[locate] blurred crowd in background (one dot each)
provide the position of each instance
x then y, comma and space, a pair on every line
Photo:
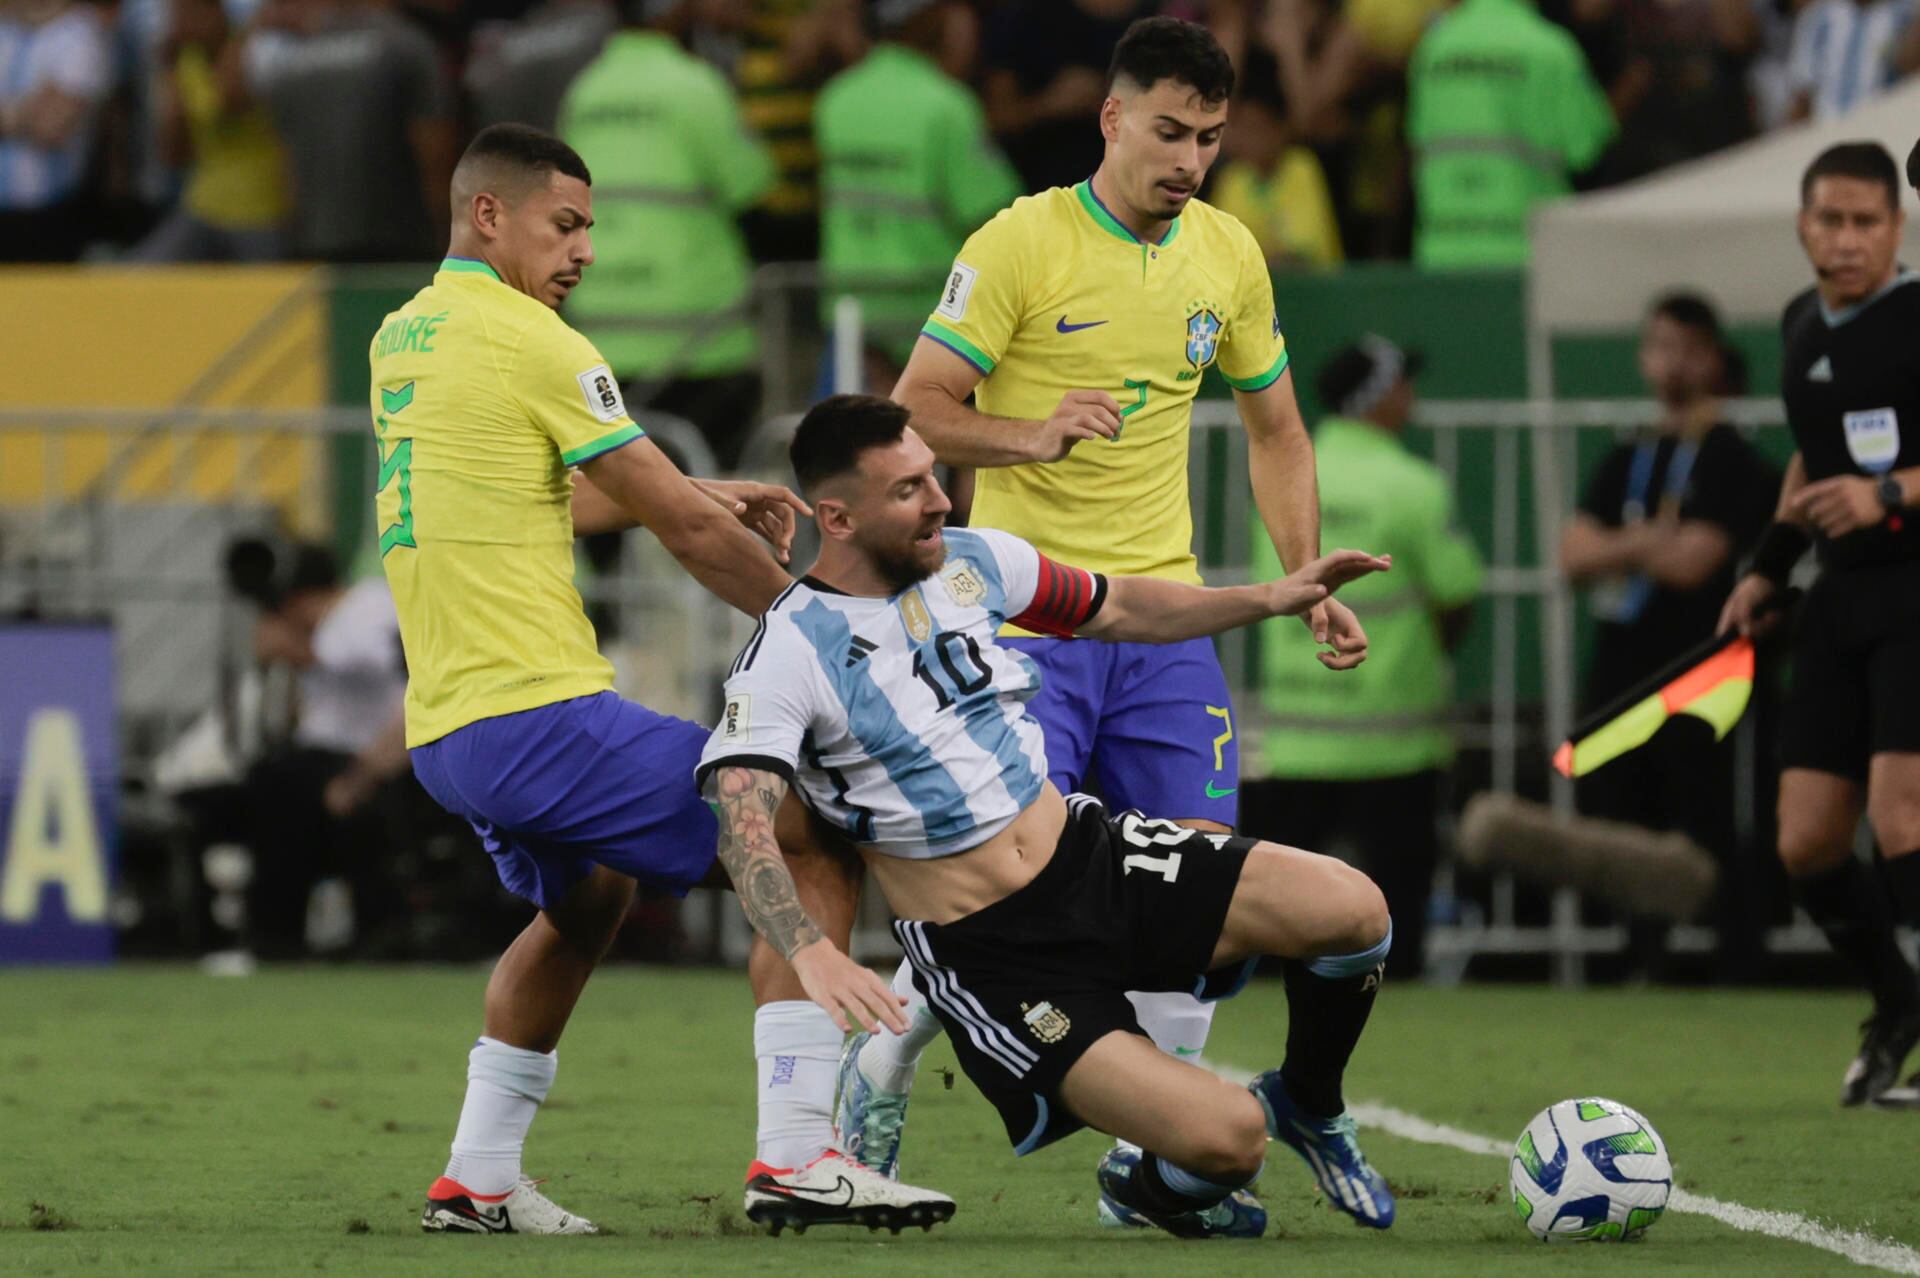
870, 137
324, 130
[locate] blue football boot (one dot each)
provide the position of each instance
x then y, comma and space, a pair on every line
1332, 1149
1239, 1215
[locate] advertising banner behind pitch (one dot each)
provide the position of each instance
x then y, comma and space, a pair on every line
59, 770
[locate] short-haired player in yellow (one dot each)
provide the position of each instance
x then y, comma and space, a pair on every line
484, 401
1081, 321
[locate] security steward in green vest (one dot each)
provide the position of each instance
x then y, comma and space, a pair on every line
1502, 111
668, 299
907, 171
1354, 762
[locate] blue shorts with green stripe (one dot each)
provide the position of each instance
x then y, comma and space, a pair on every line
556, 790
1149, 724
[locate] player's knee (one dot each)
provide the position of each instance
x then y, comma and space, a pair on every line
1230, 1147
1896, 822
1359, 922
1807, 849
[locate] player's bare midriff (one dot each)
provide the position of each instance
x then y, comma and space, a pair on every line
946, 888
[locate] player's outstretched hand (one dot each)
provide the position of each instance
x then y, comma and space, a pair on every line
843, 987
1746, 608
1301, 590
767, 510
1305, 594
1082, 414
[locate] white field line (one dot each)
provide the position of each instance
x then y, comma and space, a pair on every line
1860, 1248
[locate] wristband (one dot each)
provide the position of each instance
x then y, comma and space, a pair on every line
1779, 550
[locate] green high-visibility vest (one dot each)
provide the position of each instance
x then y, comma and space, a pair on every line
907, 172
1501, 110
673, 165
1388, 716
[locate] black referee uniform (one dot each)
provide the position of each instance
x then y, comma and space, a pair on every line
1851, 381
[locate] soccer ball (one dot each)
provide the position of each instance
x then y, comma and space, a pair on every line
1590, 1170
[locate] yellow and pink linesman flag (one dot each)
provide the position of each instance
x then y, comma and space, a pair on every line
1712, 682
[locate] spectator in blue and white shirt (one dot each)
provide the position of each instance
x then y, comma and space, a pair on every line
1844, 52
55, 71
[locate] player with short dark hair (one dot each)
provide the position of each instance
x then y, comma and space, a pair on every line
1081, 321
1157, 49
484, 401
876, 687
1850, 742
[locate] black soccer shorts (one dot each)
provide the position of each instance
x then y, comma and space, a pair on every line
1026, 985
1856, 671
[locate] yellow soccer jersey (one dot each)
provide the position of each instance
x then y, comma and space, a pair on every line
1055, 295
482, 399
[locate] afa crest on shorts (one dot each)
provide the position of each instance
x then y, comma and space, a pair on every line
1048, 1023
1203, 334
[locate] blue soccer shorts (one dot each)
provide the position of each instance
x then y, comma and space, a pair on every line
556, 790
1150, 723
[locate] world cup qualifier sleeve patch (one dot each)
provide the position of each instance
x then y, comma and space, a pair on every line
603, 394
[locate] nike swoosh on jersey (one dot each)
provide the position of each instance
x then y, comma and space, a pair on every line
1061, 326
1213, 793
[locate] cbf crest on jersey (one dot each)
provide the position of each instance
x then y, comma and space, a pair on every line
964, 583
1203, 334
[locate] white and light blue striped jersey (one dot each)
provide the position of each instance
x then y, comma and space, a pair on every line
70, 53
899, 718
1843, 52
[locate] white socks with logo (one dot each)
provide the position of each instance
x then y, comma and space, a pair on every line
797, 1046
505, 1087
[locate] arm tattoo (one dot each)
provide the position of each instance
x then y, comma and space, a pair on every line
745, 800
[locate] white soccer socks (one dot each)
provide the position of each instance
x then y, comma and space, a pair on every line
797, 1046
1177, 1022
505, 1087
889, 1059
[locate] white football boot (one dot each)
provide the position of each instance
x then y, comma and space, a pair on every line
836, 1190
452, 1208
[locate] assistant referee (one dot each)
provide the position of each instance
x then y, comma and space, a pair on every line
1850, 374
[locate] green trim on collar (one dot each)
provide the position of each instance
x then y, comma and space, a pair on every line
1111, 224
469, 265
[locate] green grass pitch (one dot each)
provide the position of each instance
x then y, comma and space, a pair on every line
157, 1121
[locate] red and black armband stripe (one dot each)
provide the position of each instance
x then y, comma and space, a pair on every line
1064, 600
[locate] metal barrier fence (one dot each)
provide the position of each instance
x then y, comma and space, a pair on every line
131, 510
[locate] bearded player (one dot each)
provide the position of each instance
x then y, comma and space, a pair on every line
1081, 322
877, 689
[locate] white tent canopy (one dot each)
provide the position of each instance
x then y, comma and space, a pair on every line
1723, 225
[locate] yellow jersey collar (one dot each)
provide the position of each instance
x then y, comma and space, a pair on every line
1112, 225
469, 265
